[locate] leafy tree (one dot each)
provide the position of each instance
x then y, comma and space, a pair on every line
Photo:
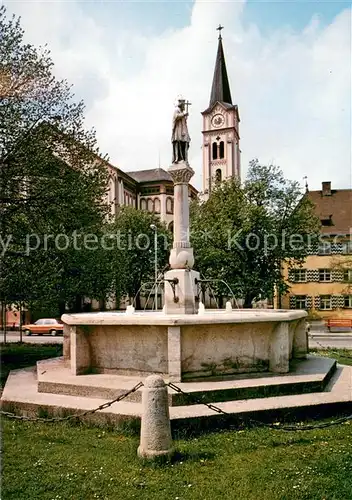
243, 234
52, 180
133, 256
343, 263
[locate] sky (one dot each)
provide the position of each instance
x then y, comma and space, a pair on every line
289, 66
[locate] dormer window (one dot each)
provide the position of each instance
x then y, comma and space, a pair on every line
326, 188
326, 220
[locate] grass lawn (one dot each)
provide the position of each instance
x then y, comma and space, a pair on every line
43, 461
343, 356
67, 461
16, 355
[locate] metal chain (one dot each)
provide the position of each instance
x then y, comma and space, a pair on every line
257, 422
76, 415
189, 396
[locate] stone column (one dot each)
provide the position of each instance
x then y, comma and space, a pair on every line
66, 351
79, 351
280, 349
180, 282
300, 340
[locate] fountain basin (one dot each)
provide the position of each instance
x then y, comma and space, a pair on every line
182, 346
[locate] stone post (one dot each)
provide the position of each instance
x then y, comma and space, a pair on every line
155, 441
180, 282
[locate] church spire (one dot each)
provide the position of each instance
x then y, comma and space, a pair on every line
220, 90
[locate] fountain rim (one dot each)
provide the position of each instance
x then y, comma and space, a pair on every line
159, 318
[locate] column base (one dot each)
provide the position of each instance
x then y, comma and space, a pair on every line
181, 258
181, 297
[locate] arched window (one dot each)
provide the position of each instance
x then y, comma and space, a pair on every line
157, 205
171, 226
218, 175
222, 149
150, 205
215, 151
143, 204
169, 205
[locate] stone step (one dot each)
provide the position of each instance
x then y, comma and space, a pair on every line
54, 377
310, 375
21, 396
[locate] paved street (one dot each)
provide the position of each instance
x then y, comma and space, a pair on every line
338, 340
319, 336
33, 339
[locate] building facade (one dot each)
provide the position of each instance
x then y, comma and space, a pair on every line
151, 190
323, 285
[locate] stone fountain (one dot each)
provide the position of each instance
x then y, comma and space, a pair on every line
246, 360
178, 343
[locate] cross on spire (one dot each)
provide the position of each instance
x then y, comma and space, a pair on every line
220, 90
219, 28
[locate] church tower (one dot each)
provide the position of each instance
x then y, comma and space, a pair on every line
221, 140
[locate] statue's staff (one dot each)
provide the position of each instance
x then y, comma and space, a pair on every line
187, 103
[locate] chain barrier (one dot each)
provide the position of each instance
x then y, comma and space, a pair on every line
76, 415
257, 422
327, 348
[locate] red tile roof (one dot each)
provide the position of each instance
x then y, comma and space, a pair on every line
336, 206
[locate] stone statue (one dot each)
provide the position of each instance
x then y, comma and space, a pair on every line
180, 136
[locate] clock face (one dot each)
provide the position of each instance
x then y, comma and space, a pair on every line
218, 120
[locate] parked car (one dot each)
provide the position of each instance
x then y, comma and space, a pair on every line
42, 326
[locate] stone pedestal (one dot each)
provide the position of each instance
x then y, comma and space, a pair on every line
181, 291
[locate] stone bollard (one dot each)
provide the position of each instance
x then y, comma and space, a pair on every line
156, 441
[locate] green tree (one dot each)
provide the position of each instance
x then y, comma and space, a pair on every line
343, 263
134, 257
243, 234
53, 180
